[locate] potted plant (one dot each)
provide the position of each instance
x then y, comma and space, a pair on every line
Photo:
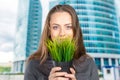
62, 52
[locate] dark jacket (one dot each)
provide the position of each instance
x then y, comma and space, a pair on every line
85, 69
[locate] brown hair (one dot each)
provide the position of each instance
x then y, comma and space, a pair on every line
42, 52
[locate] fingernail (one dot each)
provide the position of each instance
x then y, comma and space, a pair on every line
59, 67
65, 74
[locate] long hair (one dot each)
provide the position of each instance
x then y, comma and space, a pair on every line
42, 52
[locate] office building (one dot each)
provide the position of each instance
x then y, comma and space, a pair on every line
28, 32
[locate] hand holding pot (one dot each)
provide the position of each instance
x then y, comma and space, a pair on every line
55, 74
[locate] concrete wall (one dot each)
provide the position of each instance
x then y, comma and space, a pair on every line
11, 77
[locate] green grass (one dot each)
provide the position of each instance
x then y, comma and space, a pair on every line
61, 50
4, 69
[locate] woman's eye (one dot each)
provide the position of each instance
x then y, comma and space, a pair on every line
69, 27
55, 27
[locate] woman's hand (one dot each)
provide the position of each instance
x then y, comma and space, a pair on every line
72, 75
55, 74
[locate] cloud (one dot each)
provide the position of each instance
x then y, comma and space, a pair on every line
6, 38
7, 47
7, 23
7, 29
8, 17
4, 17
6, 56
9, 5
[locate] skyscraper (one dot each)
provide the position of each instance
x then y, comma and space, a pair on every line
99, 23
28, 32
34, 26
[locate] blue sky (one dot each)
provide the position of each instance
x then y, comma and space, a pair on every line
8, 15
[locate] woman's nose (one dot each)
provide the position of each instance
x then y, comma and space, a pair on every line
62, 33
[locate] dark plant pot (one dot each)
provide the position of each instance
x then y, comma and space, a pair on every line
64, 65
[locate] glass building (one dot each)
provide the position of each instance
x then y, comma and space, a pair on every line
34, 26
117, 2
99, 22
28, 32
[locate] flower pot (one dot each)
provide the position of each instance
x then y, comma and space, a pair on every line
64, 65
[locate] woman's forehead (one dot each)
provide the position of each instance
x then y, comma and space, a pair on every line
61, 17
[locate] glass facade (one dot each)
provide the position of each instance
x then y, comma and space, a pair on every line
34, 26
106, 61
98, 63
99, 22
21, 36
28, 32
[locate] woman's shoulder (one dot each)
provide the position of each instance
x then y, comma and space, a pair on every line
32, 63
84, 62
84, 59
32, 71
85, 68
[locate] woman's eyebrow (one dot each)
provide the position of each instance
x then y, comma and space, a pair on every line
68, 24
55, 24
65, 24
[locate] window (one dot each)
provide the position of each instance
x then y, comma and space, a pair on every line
108, 71
106, 62
98, 63
113, 62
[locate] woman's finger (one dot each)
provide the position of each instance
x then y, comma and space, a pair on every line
72, 70
71, 76
54, 69
58, 74
61, 78
55, 74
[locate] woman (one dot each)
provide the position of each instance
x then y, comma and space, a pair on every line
62, 21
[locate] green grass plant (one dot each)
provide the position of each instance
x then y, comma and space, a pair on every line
61, 50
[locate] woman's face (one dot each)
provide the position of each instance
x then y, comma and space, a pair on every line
61, 25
